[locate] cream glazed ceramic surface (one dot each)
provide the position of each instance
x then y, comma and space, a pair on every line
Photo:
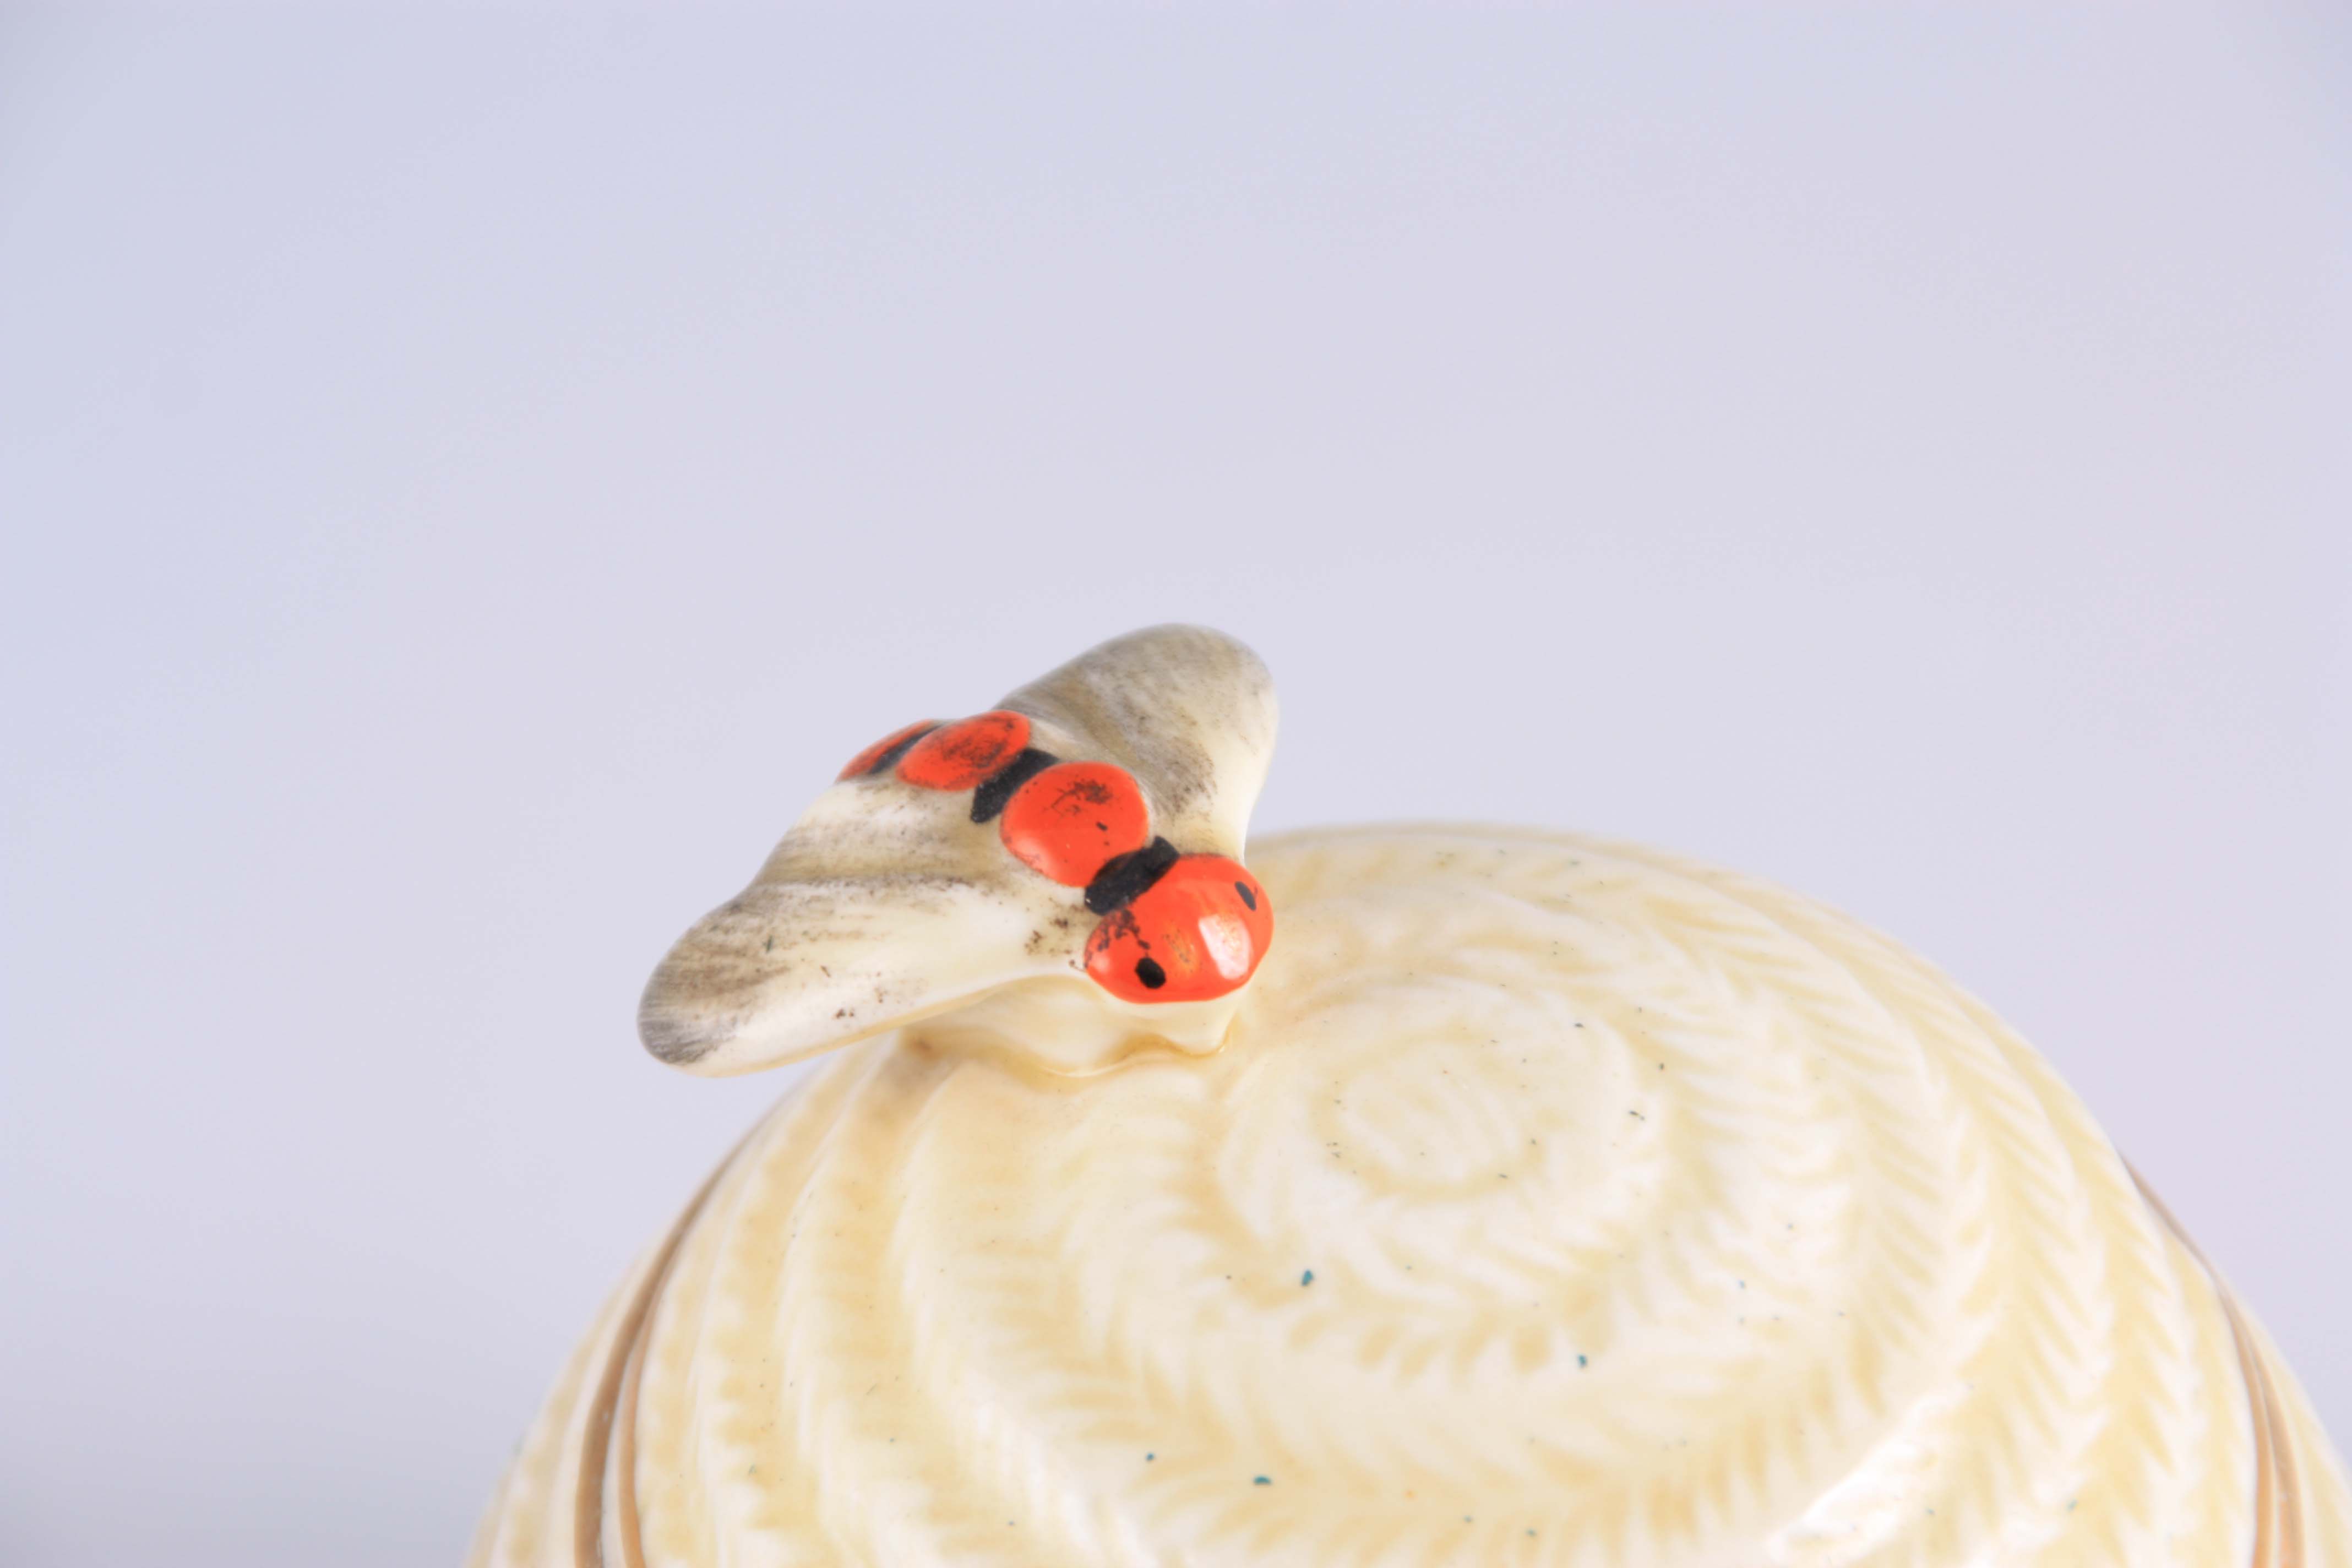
1536, 1200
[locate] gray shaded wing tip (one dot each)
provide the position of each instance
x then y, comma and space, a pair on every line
676, 1037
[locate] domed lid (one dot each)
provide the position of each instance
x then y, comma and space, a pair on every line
1543, 1200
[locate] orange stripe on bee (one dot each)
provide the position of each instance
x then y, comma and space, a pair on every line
867, 761
959, 755
1072, 818
1196, 934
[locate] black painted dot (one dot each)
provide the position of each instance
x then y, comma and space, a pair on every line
1247, 896
1147, 970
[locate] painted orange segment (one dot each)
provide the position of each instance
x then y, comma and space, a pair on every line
1196, 934
864, 761
959, 756
1073, 817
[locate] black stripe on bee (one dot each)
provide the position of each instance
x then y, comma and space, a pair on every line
997, 788
890, 759
1126, 877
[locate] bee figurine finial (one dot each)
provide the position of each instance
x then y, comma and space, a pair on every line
1063, 871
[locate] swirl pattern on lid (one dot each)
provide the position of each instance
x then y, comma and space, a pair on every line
1548, 1201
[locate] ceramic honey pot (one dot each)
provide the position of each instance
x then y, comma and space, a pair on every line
1398, 1195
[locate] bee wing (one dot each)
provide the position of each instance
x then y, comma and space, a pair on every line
883, 904
1191, 713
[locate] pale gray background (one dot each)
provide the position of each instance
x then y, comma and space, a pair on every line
468, 481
